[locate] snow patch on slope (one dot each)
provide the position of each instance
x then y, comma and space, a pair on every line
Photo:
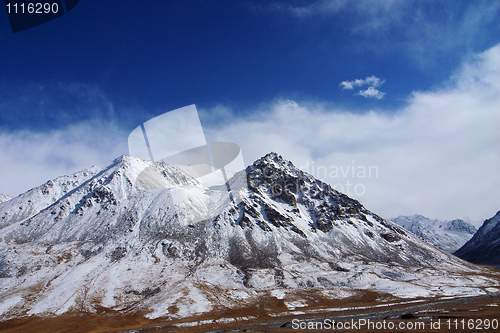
4, 198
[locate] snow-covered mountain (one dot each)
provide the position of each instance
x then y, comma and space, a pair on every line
113, 238
448, 235
484, 246
4, 198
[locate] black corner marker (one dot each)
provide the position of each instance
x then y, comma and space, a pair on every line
28, 14
70, 4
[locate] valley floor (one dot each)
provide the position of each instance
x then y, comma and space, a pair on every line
467, 314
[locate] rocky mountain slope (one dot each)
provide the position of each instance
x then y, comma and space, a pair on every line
448, 235
157, 243
484, 246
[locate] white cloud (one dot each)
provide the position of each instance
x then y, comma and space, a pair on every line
347, 85
374, 81
438, 156
371, 93
28, 159
371, 81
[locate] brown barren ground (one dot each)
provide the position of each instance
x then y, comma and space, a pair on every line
427, 311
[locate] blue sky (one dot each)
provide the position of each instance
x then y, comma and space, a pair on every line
105, 67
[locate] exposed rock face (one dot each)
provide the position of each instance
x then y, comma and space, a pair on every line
96, 240
484, 246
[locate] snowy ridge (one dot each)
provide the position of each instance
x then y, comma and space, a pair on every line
30, 203
120, 238
484, 246
448, 235
4, 198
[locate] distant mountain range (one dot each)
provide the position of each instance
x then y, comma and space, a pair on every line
96, 241
448, 235
484, 246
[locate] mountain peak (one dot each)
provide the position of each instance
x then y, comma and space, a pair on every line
272, 155
460, 225
274, 158
419, 217
123, 158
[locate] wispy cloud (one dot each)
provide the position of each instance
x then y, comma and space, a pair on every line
421, 29
43, 106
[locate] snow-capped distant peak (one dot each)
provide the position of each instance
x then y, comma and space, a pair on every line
448, 235
459, 225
